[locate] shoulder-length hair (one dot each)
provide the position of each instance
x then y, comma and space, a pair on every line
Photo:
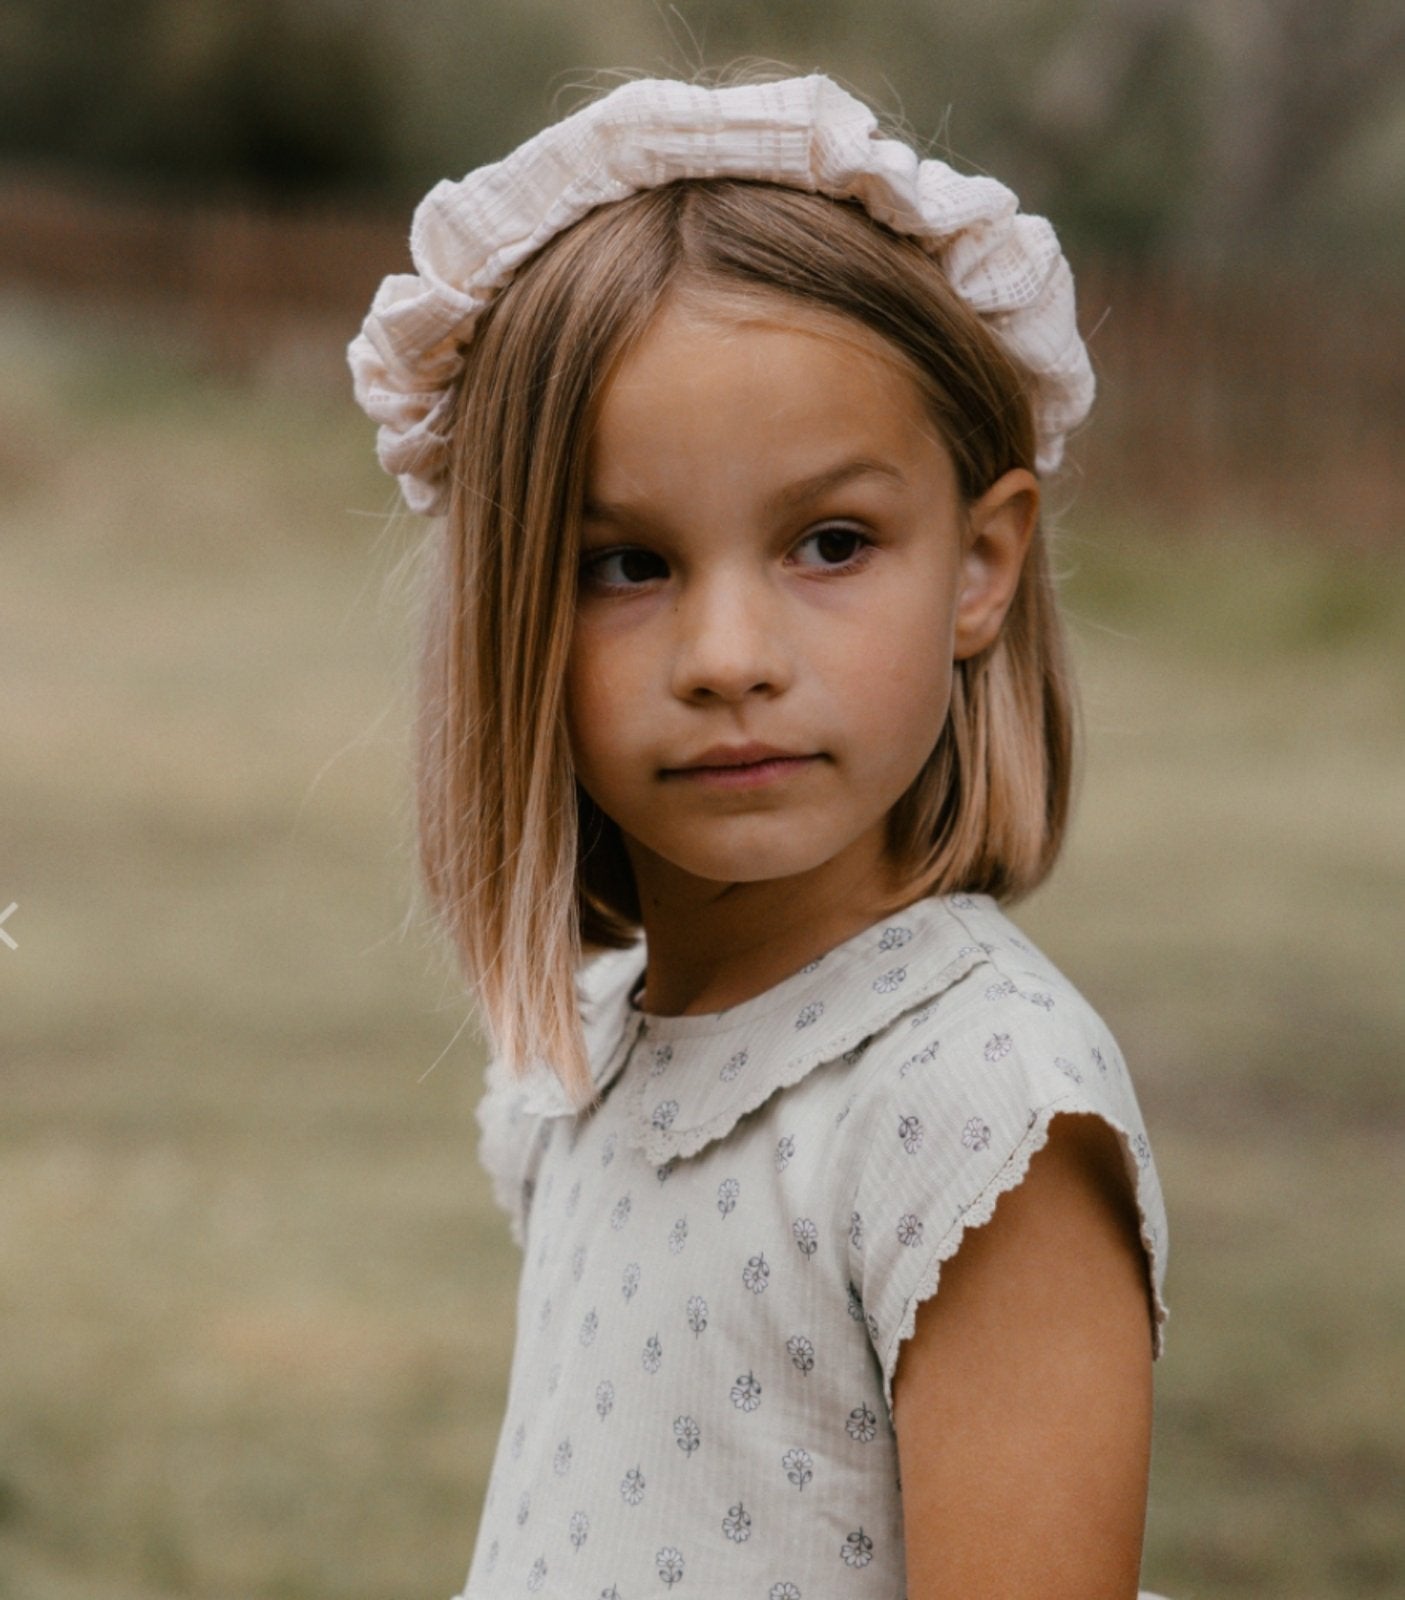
522, 870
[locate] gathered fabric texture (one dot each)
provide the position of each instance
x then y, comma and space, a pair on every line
470, 235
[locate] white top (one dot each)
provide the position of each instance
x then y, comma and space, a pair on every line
722, 1260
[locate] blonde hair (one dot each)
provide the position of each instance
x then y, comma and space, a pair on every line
522, 869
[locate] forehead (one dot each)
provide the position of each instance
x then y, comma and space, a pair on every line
760, 376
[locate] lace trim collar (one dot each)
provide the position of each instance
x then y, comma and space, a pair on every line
694, 1077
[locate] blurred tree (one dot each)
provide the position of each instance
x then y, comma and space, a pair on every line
1165, 127
260, 94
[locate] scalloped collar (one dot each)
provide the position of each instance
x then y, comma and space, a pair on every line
694, 1077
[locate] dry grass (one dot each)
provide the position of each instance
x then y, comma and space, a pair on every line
254, 1304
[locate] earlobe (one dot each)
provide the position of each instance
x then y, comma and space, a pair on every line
1000, 525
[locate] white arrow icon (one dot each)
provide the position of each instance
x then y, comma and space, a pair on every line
13, 906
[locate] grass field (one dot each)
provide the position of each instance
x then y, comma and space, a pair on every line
255, 1307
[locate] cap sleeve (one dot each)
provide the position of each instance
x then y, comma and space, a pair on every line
953, 1110
509, 1144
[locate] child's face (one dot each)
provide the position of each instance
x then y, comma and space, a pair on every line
777, 575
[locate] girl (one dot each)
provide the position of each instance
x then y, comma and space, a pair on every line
741, 634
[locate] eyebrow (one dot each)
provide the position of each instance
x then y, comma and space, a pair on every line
786, 498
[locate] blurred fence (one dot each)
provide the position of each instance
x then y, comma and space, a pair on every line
1275, 398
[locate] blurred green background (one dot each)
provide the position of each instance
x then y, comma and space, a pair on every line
255, 1305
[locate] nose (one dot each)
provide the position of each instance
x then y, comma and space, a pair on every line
729, 640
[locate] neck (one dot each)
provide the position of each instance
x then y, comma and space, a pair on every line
713, 945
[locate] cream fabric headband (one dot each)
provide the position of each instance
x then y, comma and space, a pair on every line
469, 237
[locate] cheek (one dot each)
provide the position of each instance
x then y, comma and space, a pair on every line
596, 688
902, 685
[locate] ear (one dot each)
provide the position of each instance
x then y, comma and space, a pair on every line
999, 527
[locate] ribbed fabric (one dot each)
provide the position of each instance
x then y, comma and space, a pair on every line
721, 1262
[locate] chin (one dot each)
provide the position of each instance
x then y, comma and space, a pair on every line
752, 862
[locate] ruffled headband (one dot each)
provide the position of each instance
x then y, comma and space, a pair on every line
469, 237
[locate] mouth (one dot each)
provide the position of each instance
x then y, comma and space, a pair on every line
745, 766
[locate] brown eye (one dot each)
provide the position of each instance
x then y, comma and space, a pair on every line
622, 569
831, 547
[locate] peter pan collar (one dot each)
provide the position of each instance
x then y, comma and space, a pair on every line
694, 1077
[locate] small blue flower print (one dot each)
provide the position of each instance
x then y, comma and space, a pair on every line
746, 1392
1068, 1069
537, 1576
630, 1281
910, 1134
962, 902
579, 1527
632, 1486
909, 1230
919, 1017
894, 938
1099, 1061
809, 1013
678, 1236
652, 1358
697, 1313
871, 1323
669, 1563
998, 1046
604, 1398
856, 1230
887, 982
976, 1135
783, 1591
785, 1149
856, 1052
589, 1324
862, 1425
802, 1354
998, 991
756, 1274
807, 1236
561, 1461
663, 1054
855, 1304
665, 1172
857, 1549
1141, 1150
733, 1065
1038, 997
798, 1466
727, 1192
524, 1508
737, 1523
578, 1262
686, 1434
607, 1150
620, 1214
812, 966
663, 1115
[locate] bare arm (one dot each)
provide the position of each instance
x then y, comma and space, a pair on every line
1022, 1402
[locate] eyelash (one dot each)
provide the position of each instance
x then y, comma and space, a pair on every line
592, 562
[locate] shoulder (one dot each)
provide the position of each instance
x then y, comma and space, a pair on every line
1008, 1019
515, 1112
956, 1096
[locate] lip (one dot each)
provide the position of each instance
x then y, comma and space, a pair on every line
741, 766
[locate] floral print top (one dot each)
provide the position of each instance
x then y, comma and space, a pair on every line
722, 1260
